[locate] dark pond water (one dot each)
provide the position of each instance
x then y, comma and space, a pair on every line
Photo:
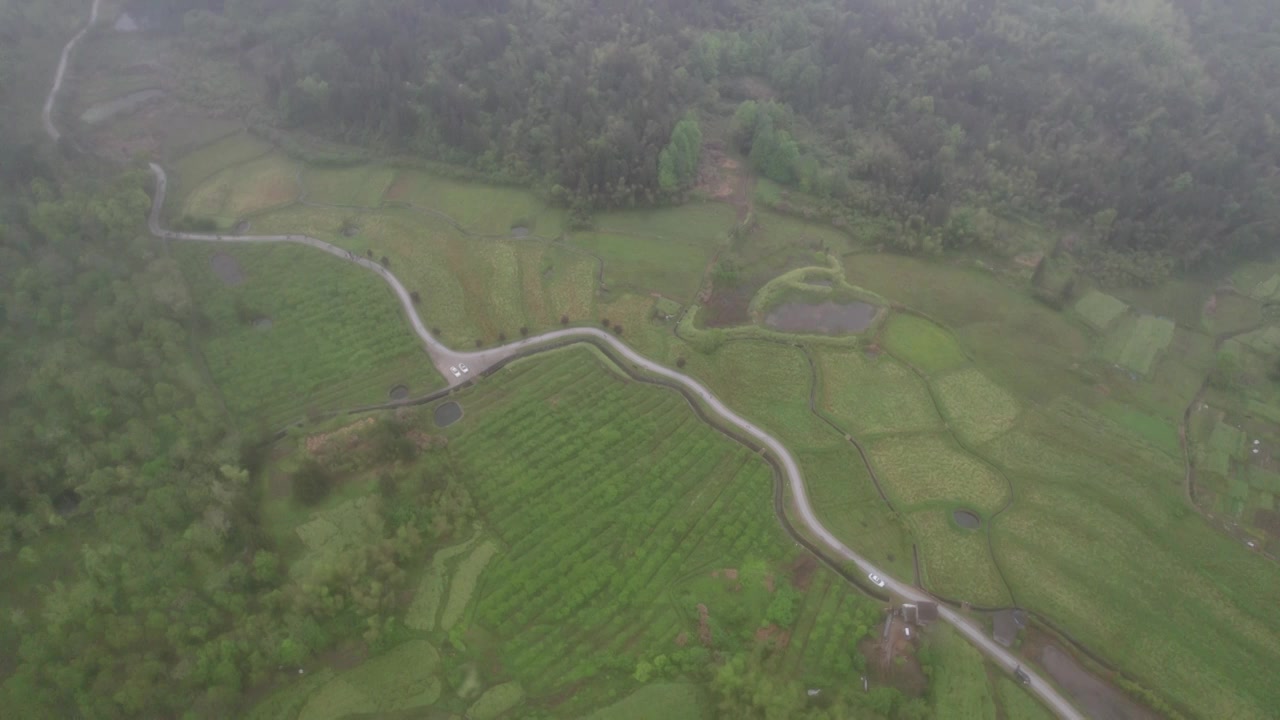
966, 519
448, 414
398, 392
828, 317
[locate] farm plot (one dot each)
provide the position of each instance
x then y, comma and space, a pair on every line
230, 194
480, 209
848, 505
976, 408
870, 396
1100, 540
670, 701
302, 332
361, 186
1135, 343
668, 266
192, 169
430, 594
957, 563
605, 492
407, 677
1099, 309
923, 468
923, 344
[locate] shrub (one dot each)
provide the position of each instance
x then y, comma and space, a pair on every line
617, 329
680, 362
386, 261
604, 322
524, 331
368, 254
479, 342
564, 319
502, 337
311, 483
415, 297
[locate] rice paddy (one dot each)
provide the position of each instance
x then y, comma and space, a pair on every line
232, 193
922, 344
481, 209
1135, 342
975, 407
360, 186
957, 563
870, 396
916, 469
1099, 309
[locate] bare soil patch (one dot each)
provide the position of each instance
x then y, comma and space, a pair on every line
319, 442
727, 307
227, 268
802, 570
829, 318
1091, 693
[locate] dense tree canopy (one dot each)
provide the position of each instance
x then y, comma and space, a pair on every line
1149, 125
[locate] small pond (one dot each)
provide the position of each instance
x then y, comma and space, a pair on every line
448, 414
967, 519
828, 317
263, 323
398, 392
519, 232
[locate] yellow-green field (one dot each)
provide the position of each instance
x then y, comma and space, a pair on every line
957, 563
869, 396
232, 193
976, 408
925, 468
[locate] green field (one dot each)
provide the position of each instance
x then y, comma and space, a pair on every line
1135, 342
471, 288
193, 169
480, 209
919, 469
232, 193
922, 344
976, 408
1099, 309
960, 688
870, 396
360, 186
677, 701
957, 562
332, 344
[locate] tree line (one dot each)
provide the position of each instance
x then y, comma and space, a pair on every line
1149, 128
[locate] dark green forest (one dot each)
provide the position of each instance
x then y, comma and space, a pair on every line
1146, 127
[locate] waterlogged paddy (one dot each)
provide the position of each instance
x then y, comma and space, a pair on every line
966, 519
829, 317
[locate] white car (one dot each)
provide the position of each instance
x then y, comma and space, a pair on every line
455, 372
463, 368
875, 579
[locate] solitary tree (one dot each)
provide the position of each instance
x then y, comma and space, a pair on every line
564, 319
386, 261
524, 331
604, 322
415, 297
617, 329
479, 342
502, 337
435, 331
369, 253
680, 362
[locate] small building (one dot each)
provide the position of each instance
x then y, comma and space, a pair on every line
921, 613
1006, 624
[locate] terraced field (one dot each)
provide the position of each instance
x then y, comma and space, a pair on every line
281, 344
869, 396
957, 563
919, 469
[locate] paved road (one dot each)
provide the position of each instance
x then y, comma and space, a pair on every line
47, 115
477, 361
444, 357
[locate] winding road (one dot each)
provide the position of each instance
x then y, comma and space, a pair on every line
443, 357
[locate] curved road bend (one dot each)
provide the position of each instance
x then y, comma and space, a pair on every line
478, 361
47, 114
443, 357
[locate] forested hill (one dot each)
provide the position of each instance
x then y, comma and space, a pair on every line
1150, 123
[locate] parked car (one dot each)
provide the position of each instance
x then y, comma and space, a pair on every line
463, 368
455, 372
875, 579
